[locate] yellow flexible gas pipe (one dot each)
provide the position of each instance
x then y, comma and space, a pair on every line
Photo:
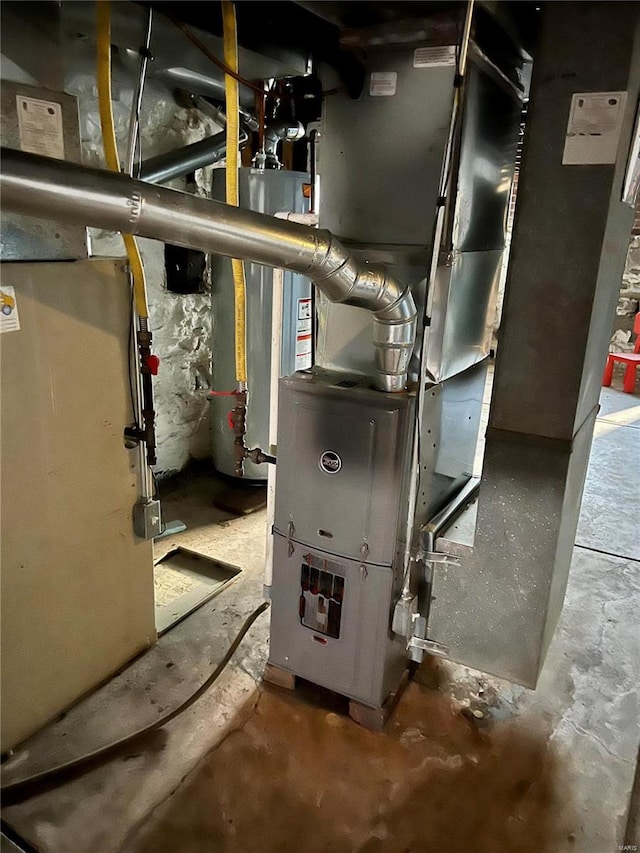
230, 33
103, 21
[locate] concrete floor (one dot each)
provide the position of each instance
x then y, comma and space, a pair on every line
467, 762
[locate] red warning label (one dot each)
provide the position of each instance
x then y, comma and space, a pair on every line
304, 335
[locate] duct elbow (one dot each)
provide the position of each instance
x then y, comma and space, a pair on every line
345, 280
394, 327
394, 336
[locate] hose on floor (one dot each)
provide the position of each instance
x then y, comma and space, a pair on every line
37, 778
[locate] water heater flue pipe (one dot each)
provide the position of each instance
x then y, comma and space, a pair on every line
67, 192
182, 161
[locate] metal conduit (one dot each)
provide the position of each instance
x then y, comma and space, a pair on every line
67, 192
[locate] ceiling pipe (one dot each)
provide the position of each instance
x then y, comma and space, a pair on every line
211, 85
67, 192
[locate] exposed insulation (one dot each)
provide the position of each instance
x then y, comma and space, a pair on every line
181, 325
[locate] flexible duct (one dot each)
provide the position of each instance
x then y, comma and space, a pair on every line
66, 192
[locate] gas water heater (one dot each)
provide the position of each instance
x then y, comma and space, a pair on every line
269, 191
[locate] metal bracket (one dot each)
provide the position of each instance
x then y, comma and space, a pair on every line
443, 559
429, 646
290, 531
171, 528
364, 552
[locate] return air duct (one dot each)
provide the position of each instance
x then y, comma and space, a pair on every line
42, 187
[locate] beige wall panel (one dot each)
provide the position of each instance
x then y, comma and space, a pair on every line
77, 586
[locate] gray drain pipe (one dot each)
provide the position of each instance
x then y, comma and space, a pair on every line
66, 192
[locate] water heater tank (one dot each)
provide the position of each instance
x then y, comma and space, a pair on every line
268, 192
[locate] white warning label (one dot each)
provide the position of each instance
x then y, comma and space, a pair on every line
304, 335
429, 57
40, 127
383, 83
593, 129
9, 320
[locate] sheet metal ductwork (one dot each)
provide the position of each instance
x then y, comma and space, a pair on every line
51, 189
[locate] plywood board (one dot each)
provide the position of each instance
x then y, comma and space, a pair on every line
77, 586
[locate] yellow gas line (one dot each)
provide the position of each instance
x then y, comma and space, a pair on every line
103, 21
230, 33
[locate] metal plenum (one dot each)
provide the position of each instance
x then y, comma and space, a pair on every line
66, 192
